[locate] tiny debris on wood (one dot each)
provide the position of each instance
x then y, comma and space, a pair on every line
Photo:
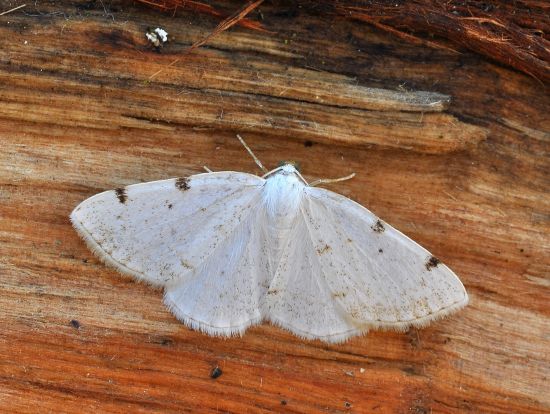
216, 373
75, 324
157, 37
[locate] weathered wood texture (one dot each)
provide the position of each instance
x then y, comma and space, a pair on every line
466, 177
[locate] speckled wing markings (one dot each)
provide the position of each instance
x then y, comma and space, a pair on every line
298, 298
344, 272
223, 295
161, 232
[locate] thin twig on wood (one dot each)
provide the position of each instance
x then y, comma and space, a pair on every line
224, 25
12, 10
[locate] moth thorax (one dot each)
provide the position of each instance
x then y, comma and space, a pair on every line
282, 195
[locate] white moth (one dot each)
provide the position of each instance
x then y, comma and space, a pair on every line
233, 249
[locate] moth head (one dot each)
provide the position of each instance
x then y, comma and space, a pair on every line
292, 166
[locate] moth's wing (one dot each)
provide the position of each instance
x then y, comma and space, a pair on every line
369, 275
378, 276
222, 296
161, 231
298, 298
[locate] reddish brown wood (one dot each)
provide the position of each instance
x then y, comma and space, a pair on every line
467, 178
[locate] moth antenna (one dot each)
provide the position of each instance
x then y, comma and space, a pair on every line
331, 180
207, 169
256, 160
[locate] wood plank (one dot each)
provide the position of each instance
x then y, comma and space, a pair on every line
450, 149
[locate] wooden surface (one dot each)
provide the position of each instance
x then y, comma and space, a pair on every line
465, 173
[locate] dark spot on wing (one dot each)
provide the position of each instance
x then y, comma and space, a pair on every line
216, 373
378, 227
339, 295
182, 184
186, 265
323, 250
75, 324
432, 262
170, 206
121, 195
272, 292
308, 143
380, 251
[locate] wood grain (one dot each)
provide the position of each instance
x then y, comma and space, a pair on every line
448, 148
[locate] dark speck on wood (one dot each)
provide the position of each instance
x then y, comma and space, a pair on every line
378, 227
121, 195
74, 323
216, 372
432, 262
182, 184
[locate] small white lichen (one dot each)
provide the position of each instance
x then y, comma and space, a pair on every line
157, 37
163, 34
